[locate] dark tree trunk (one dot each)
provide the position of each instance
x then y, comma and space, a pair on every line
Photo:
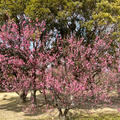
63, 114
118, 89
33, 97
22, 95
33, 89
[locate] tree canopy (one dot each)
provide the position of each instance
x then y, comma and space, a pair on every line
84, 18
12, 8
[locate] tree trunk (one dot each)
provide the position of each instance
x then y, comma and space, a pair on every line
63, 114
22, 95
118, 89
33, 97
33, 90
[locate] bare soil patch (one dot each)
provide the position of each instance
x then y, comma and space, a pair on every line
11, 108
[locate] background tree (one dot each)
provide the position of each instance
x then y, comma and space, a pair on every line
84, 17
13, 8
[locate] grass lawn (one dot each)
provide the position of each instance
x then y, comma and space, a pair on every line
11, 108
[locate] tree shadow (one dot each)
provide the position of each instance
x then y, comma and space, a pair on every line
102, 116
11, 105
113, 103
14, 104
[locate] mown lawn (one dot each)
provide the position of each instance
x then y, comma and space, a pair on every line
11, 108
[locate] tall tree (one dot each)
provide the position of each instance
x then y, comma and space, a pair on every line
14, 8
85, 17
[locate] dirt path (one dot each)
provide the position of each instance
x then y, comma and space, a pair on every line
11, 109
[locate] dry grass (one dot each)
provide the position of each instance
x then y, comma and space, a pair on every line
11, 109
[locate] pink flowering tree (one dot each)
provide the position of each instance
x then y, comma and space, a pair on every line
24, 57
73, 78
68, 70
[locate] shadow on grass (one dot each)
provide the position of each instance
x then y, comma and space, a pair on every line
11, 105
14, 104
101, 116
113, 104
105, 117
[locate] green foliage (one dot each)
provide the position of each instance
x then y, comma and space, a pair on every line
85, 18
12, 8
54, 12
92, 16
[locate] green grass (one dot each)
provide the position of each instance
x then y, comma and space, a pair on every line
102, 117
80, 117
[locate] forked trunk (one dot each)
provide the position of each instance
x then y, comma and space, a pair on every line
63, 114
22, 95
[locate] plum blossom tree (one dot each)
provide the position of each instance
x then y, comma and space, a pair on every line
23, 56
73, 79
72, 76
